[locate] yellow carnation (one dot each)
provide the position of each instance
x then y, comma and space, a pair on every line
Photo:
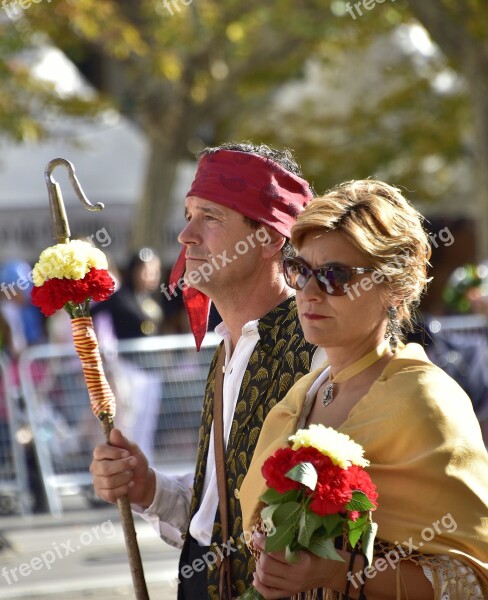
68, 261
339, 447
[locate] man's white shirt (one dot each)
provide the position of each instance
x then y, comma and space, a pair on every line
170, 509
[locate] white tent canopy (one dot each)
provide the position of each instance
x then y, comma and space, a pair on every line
108, 153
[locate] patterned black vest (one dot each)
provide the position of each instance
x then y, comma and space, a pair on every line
280, 358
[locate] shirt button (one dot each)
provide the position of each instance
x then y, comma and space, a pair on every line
236, 494
183, 536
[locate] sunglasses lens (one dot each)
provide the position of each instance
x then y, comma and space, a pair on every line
333, 280
296, 274
341, 275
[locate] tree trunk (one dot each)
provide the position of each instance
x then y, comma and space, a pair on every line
154, 205
451, 29
477, 68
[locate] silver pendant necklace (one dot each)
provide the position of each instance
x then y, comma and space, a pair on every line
328, 394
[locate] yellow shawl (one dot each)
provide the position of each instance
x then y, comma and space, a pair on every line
428, 460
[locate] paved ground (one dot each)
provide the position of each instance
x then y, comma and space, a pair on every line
78, 556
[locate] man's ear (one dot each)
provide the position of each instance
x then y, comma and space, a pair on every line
273, 243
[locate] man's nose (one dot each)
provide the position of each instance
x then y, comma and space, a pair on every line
190, 234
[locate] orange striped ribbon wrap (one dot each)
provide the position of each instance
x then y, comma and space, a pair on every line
102, 399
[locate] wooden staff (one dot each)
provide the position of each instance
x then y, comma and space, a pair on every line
101, 396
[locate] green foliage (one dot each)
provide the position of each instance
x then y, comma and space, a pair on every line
324, 546
25, 100
359, 502
368, 540
271, 496
356, 529
285, 519
308, 525
212, 70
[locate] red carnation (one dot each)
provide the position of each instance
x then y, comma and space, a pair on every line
274, 470
53, 294
333, 490
311, 455
359, 479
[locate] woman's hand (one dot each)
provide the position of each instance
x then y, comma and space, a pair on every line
276, 578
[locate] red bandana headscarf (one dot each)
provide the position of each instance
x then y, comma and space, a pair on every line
253, 186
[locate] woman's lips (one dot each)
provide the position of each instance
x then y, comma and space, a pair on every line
314, 317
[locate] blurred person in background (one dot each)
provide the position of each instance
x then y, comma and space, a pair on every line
134, 311
134, 308
6, 352
463, 353
25, 320
27, 327
466, 291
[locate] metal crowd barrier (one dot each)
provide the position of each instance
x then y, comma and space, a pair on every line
14, 495
459, 345
159, 385
470, 325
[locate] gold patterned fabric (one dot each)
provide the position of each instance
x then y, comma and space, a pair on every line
281, 357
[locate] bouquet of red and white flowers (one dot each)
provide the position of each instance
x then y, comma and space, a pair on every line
69, 276
318, 490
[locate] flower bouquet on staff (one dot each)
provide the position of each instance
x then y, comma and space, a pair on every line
317, 490
70, 275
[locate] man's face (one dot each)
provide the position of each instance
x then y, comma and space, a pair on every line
222, 250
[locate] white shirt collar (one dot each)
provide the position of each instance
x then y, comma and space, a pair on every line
251, 327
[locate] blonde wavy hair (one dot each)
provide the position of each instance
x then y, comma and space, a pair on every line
377, 219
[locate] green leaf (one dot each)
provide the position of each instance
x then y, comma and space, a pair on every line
308, 525
273, 497
285, 519
281, 538
332, 524
356, 529
288, 512
305, 473
359, 502
324, 547
368, 540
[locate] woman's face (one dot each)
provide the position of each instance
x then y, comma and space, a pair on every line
358, 317
148, 275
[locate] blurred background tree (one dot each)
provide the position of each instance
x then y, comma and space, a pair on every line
354, 97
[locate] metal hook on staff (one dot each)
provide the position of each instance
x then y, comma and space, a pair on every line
60, 226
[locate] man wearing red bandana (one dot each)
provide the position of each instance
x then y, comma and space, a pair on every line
239, 211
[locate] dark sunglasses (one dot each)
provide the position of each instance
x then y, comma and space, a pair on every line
330, 279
